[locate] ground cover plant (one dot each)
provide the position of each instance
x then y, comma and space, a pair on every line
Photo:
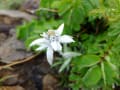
91, 60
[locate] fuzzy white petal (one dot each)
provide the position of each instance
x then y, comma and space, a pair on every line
37, 42
49, 54
60, 29
56, 46
41, 48
66, 39
70, 54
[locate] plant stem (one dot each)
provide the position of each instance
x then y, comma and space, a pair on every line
18, 62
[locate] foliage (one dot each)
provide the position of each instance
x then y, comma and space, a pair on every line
95, 26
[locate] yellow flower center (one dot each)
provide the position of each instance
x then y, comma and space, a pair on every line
51, 32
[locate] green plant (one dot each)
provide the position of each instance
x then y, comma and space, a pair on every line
95, 25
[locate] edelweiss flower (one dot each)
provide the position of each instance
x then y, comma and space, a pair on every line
52, 41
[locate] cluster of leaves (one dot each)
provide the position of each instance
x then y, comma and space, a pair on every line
95, 25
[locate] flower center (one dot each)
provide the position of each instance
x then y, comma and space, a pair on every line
51, 33
52, 36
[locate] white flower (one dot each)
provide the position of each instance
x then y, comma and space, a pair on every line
52, 41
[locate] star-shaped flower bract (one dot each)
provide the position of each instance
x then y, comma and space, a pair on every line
52, 42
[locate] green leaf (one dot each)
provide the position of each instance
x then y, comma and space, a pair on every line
103, 73
23, 32
114, 32
86, 60
73, 77
92, 77
95, 3
72, 13
55, 4
108, 59
30, 39
65, 64
114, 29
117, 40
110, 74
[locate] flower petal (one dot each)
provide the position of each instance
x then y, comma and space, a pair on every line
41, 48
66, 39
56, 46
50, 55
37, 42
70, 54
60, 29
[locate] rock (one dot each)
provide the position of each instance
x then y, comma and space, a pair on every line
30, 6
49, 82
11, 81
11, 88
3, 37
13, 49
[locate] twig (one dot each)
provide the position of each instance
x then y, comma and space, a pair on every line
47, 9
19, 62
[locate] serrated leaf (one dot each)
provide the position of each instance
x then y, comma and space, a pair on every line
92, 77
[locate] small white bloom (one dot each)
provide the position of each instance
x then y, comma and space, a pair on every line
52, 41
